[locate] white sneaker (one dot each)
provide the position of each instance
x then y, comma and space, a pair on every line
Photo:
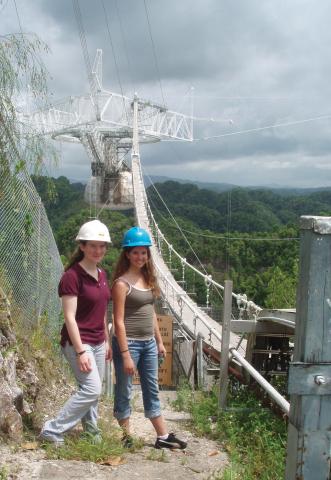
57, 440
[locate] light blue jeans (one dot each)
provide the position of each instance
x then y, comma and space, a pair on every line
83, 404
145, 357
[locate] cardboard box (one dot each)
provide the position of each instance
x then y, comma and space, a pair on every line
165, 326
165, 371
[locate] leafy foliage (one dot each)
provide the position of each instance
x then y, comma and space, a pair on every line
243, 210
61, 198
254, 437
21, 66
259, 251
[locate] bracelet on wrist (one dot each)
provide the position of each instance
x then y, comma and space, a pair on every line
80, 353
124, 351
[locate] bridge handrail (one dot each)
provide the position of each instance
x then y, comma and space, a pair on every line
186, 299
241, 299
276, 396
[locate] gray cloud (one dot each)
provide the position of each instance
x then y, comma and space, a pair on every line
256, 63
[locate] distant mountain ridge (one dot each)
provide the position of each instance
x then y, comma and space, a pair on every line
225, 187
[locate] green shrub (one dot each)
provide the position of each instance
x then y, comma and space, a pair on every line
254, 437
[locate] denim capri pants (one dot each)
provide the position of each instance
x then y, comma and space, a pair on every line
145, 357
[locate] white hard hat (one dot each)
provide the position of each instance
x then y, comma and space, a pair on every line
94, 230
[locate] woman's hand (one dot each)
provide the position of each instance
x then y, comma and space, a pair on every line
84, 362
109, 352
128, 364
161, 349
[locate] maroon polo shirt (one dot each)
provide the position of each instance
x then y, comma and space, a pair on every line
92, 300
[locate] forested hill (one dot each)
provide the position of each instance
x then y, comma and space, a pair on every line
255, 242
61, 198
242, 210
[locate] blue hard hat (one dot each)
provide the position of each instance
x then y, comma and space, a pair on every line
136, 237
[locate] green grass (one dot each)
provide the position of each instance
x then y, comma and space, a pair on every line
84, 449
80, 446
254, 438
157, 456
3, 473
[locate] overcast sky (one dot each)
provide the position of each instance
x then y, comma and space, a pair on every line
255, 62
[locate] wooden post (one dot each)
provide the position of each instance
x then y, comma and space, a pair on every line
309, 386
224, 360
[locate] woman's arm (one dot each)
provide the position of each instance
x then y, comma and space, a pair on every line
160, 347
69, 304
119, 292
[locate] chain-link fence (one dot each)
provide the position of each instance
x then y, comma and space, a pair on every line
30, 265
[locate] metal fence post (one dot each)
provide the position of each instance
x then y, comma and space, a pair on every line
108, 387
200, 362
308, 450
224, 359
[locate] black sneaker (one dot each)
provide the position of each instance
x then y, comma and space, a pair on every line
127, 441
170, 442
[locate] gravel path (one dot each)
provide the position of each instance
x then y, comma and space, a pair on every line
201, 460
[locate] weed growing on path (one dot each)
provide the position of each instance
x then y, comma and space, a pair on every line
3, 473
254, 438
80, 446
157, 456
84, 448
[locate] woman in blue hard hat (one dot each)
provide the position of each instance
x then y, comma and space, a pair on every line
137, 342
84, 337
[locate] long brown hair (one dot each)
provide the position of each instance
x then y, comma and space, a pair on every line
148, 270
77, 256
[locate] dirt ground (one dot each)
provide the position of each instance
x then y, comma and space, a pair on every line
203, 458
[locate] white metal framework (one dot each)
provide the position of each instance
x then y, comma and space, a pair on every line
103, 122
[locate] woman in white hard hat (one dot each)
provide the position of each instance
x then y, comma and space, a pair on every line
85, 295
137, 342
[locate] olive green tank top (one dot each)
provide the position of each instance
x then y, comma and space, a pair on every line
139, 312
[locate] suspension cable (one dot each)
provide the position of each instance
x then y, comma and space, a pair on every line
215, 285
241, 299
154, 52
176, 223
115, 59
125, 45
82, 38
267, 127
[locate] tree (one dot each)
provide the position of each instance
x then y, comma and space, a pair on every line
21, 69
29, 260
